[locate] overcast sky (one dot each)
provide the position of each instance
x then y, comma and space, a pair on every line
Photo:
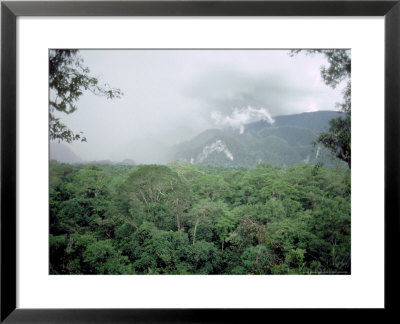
172, 95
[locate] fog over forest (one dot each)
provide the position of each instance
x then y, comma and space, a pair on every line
170, 96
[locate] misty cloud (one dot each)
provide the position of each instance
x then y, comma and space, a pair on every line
242, 116
280, 94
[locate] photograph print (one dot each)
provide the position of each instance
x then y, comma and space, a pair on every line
200, 161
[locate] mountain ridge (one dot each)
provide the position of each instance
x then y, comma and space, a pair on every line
287, 141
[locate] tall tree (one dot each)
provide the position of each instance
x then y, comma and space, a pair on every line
338, 138
156, 192
68, 79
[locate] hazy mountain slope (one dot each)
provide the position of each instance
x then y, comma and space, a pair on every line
288, 141
317, 120
62, 153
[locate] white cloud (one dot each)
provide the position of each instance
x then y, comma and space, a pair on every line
242, 116
217, 146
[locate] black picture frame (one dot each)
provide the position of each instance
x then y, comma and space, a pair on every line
10, 10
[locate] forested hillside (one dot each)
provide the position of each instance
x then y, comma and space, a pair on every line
287, 141
192, 219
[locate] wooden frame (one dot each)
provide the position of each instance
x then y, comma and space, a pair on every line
11, 10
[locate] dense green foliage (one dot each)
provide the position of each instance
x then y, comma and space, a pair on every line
187, 219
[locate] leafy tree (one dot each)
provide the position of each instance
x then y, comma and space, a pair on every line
90, 182
338, 138
68, 79
102, 258
204, 258
154, 191
224, 225
210, 221
255, 260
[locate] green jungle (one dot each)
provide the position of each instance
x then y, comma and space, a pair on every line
187, 219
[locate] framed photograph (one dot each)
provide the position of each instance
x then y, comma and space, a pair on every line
188, 161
